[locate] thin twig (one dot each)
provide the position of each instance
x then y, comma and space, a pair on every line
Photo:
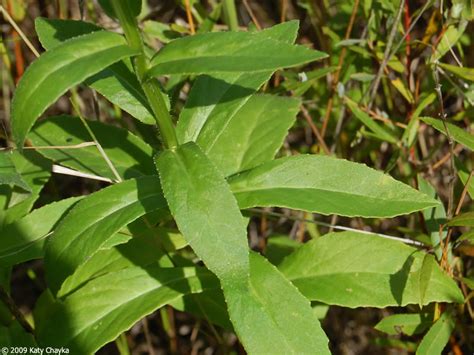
338, 129
12, 307
5, 67
146, 331
412, 26
58, 169
387, 54
333, 222
315, 130
94, 138
335, 79
46, 147
446, 157
386, 120
12, 22
444, 259
284, 9
189, 15
445, 248
275, 214
465, 293
36, 53
464, 193
174, 345
456, 86
252, 15
452, 168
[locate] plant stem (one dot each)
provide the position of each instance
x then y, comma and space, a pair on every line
150, 87
8, 301
189, 15
452, 167
230, 15
12, 22
387, 54
252, 15
336, 76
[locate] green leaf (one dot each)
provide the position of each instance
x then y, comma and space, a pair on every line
213, 101
403, 89
284, 32
60, 69
117, 83
381, 132
468, 236
424, 274
205, 210
469, 282
394, 62
94, 220
211, 19
8, 173
209, 305
464, 173
252, 135
143, 248
300, 83
133, 6
105, 307
16, 202
408, 324
462, 72
428, 100
53, 32
320, 310
271, 316
363, 77
129, 154
463, 220
23, 239
411, 132
14, 336
279, 247
208, 216
438, 336
434, 217
396, 343
462, 9
456, 133
450, 37
321, 184
359, 270
161, 31
218, 52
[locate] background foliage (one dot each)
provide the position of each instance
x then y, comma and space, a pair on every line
395, 93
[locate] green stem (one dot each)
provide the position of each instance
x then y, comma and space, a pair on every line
230, 15
150, 87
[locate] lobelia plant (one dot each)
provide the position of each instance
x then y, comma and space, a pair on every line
115, 256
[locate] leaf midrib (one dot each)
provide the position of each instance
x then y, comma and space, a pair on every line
249, 190
270, 315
